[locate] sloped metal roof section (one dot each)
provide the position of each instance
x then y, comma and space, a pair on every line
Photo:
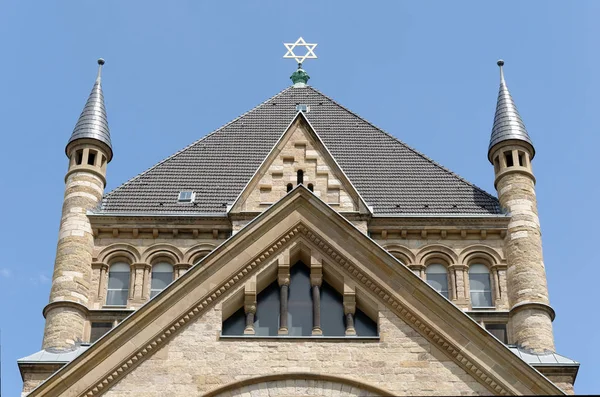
508, 124
93, 123
54, 357
391, 177
541, 359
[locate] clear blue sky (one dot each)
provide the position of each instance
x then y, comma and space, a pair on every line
423, 71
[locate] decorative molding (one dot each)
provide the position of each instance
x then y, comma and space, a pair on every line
425, 329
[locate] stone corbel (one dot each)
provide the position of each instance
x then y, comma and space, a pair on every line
349, 308
180, 268
250, 306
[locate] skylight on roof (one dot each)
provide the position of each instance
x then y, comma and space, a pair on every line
302, 108
186, 196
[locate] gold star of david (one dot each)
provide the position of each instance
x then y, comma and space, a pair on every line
300, 43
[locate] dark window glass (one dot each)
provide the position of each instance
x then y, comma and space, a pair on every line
78, 157
311, 187
118, 285
509, 159
98, 330
266, 321
332, 312
363, 324
91, 158
480, 286
499, 331
235, 324
162, 275
299, 302
289, 187
300, 177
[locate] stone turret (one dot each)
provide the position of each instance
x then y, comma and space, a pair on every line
89, 151
511, 151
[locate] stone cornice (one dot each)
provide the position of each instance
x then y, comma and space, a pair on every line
479, 354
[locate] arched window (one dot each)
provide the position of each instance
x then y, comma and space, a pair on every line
311, 187
289, 187
118, 284
300, 177
480, 286
162, 275
437, 277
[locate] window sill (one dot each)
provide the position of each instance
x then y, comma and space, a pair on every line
313, 338
118, 307
483, 308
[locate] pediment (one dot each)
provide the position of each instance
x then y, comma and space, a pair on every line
299, 157
299, 217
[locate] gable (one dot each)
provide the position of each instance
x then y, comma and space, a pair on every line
299, 157
400, 297
392, 177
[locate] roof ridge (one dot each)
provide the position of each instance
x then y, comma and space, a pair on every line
107, 195
405, 144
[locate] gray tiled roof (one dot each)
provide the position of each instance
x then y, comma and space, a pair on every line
92, 123
390, 176
508, 124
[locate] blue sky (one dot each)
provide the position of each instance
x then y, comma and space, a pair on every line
423, 71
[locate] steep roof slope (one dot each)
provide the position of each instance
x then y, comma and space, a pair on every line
390, 176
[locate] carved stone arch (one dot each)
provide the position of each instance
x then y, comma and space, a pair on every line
191, 255
490, 256
168, 251
298, 384
401, 253
439, 251
113, 251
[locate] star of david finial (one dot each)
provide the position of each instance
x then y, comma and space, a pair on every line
300, 43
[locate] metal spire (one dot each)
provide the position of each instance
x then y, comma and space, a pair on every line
92, 123
508, 124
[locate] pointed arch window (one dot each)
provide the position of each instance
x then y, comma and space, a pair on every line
437, 276
118, 284
300, 311
480, 286
162, 275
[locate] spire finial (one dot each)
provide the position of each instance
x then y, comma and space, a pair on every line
500, 63
92, 123
508, 125
300, 77
101, 62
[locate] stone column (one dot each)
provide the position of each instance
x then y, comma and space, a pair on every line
316, 279
180, 268
67, 311
530, 313
283, 279
349, 309
250, 306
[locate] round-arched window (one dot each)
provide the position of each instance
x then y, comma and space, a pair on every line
118, 284
162, 275
480, 286
437, 276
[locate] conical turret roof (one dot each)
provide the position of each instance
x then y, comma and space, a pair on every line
508, 124
92, 123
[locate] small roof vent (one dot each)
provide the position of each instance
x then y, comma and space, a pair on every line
186, 196
302, 108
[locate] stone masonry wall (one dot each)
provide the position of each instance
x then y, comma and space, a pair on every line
526, 275
72, 267
196, 361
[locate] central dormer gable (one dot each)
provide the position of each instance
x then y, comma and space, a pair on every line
299, 157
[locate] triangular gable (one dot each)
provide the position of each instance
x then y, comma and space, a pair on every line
299, 216
299, 149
